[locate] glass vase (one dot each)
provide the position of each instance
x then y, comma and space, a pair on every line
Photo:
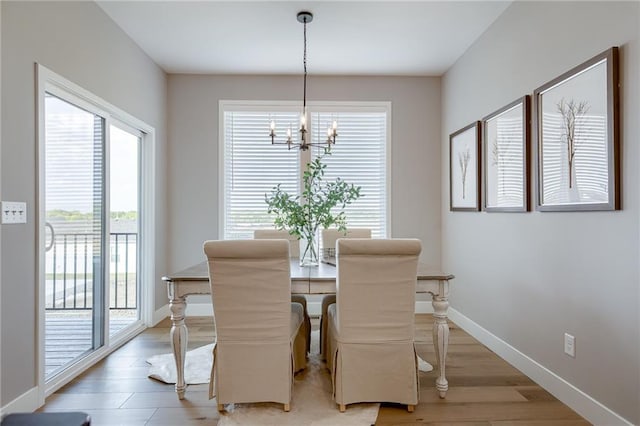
309, 250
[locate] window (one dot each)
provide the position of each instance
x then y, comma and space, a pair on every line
251, 166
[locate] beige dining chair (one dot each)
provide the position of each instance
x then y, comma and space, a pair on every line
329, 238
294, 243
294, 252
372, 356
260, 342
331, 235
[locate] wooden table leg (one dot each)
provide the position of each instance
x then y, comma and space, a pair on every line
179, 337
441, 336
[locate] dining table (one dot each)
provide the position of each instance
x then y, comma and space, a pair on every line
305, 280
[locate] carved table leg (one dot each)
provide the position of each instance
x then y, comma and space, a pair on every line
441, 337
179, 337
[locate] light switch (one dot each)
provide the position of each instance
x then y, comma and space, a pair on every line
14, 212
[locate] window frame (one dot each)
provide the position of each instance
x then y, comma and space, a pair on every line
305, 156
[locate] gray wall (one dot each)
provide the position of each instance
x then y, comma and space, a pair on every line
78, 41
193, 150
0, 199
529, 278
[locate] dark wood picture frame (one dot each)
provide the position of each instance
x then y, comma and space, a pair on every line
506, 138
577, 134
464, 168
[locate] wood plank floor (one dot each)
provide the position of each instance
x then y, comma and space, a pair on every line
483, 389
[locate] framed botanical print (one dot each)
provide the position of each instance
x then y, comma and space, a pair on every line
577, 135
464, 168
505, 148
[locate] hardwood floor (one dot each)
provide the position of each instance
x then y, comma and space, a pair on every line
483, 389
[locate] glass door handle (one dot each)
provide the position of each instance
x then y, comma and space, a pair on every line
53, 237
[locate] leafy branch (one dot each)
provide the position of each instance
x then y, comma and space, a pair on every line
302, 215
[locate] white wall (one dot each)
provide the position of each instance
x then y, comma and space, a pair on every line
528, 278
193, 150
78, 41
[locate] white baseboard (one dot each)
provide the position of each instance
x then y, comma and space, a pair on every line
160, 314
25, 403
592, 410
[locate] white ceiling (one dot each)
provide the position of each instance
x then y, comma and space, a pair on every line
264, 37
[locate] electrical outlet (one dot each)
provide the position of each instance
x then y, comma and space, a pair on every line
14, 212
569, 345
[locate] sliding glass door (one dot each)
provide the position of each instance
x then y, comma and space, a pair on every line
92, 228
75, 225
124, 224
95, 228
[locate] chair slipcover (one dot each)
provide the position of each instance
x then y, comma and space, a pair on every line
273, 234
371, 327
294, 252
259, 338
329, 238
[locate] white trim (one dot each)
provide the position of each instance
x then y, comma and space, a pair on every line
27, 402
47, 80
147, 226
323, 106
106, 242
41, 78
222, 105
389, 170
159, 315
585, 405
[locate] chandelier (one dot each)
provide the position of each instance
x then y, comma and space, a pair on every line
332, 130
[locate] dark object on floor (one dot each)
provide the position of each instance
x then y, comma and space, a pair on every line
47, 419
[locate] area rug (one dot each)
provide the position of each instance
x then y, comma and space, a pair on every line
312, 402
197, 366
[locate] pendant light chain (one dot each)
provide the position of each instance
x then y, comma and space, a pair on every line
304, 18
304, 61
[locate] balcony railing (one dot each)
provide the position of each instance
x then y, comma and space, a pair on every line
69, 278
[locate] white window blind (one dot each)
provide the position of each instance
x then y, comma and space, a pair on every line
252, 166
360, 158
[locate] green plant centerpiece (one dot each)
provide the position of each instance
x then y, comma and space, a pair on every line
321, 203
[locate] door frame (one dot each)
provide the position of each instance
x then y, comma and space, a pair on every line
49, 81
